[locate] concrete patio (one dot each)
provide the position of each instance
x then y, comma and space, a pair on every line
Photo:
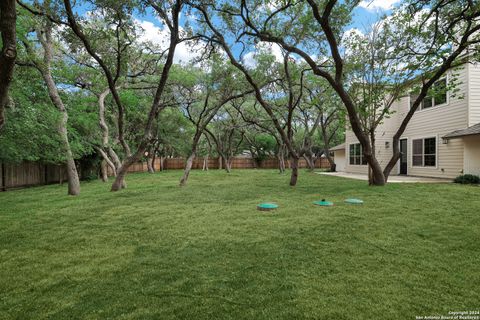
392, 179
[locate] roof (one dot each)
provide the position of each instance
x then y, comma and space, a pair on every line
475, 129
339, 147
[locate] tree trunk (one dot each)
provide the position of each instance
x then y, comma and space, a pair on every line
8, 17
119, 182
107, 160
281, 163
310, 161
72, 174
114, 163
294, 167
371, 177
162, 163
150, 167
205, 163
154, 155
333, 165
104, 171
228, 164
378, 179
281, 159
115, 159
188, 167
150, 164
220, 159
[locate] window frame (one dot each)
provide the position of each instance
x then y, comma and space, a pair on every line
356, 155
423, 152
447, 97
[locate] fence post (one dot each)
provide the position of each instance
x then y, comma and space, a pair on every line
4, 179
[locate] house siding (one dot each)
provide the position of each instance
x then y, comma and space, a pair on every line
474, 94
472, 155
437, 122
384, 133
433, 122
340, 159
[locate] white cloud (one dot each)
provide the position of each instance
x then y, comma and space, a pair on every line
378, 4
149, 32
274, 49
352, 33
249, 60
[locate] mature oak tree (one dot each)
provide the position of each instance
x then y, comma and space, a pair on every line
8, 54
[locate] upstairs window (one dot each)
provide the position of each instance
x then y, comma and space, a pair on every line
356, 154
436, 97
424, 152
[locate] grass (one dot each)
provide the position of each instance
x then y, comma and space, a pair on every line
157, 251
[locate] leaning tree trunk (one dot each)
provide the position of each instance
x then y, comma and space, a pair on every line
106, 151
188, 168
378, 179
107, 160
294, 174
333, 165
8, 17
189, 163
72, 174
119, 182
310, 161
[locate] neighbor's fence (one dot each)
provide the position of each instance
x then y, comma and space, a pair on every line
214, 163
27, 174
13, 176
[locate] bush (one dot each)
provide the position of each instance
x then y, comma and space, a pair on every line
467, 179
89, 177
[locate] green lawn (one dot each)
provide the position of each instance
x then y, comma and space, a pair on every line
157, 251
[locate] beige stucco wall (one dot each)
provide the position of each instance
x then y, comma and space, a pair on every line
471, 156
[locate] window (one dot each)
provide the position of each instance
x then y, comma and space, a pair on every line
424, 152
356, 155
436, 97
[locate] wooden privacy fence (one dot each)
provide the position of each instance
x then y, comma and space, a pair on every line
27, 174
214, 163
13, 176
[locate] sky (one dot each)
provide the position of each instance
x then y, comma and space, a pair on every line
364, 15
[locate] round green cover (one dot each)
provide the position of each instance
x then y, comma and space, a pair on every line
323, 203
268, 206
354, 201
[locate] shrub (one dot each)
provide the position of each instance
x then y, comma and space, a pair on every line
467, 179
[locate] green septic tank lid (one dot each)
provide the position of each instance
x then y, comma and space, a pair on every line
354, 201
267, 206
323, 203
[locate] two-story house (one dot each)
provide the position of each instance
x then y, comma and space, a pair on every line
441, 140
